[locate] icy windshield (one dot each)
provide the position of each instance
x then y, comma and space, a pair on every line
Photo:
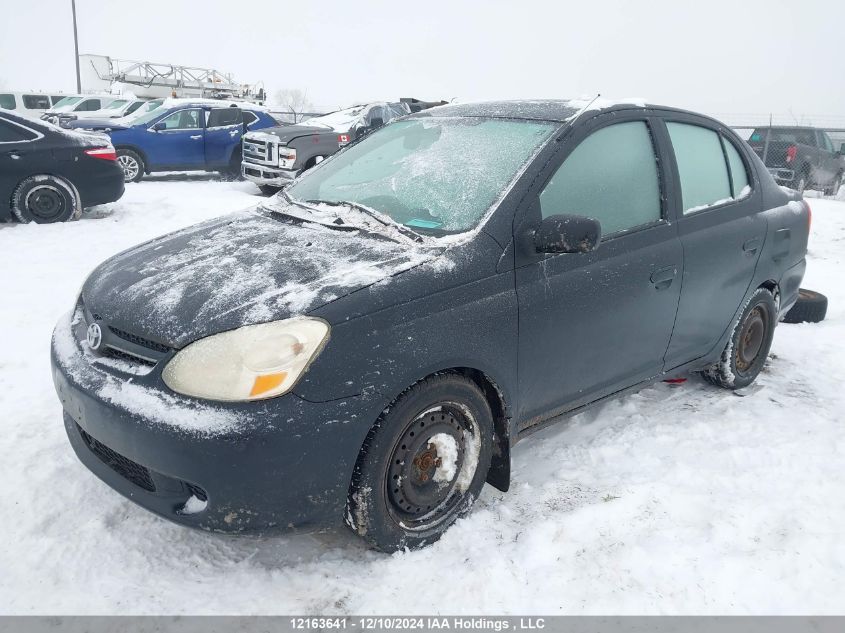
437, 175
118, 103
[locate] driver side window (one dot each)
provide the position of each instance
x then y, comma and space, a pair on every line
182, 120
610, 176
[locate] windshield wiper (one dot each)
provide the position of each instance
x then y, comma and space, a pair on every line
337, 223
378, 216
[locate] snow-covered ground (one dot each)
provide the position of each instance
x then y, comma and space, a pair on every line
679, 499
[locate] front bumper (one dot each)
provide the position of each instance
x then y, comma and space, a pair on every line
264, 175
276, 465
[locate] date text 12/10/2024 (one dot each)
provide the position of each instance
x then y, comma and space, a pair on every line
398, 623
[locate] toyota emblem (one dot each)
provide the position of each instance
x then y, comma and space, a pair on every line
95, 336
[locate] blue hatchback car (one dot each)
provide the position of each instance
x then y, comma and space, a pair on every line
187, 135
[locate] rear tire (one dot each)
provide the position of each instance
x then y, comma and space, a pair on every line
132, 164
422, 465
811, 307
748, 347
45, 199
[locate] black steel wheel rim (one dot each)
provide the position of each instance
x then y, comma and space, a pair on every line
45, 202
418, 492
752, 338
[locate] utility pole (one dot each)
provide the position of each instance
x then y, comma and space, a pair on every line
76, 47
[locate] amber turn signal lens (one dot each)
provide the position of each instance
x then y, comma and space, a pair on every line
267, 382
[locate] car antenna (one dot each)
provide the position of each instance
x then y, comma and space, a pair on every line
584, 109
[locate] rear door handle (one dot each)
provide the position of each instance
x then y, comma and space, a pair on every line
196, 136
14, 153
752, 246
663, 277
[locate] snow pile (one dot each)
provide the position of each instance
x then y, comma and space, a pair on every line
447, 454
673, 500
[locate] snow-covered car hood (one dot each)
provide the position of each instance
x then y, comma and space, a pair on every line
286, 133
250, 267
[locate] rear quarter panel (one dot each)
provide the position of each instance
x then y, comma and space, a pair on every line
783, 259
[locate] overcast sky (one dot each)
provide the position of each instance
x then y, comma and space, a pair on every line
715, 56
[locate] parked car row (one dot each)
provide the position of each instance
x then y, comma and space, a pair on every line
91, 107
276, 155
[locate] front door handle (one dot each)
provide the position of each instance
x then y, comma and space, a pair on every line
14, 153
752, 246
663, 277
234, 133
196, 137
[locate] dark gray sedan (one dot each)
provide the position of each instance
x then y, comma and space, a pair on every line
369, 344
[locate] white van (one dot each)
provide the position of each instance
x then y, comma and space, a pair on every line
34, 103
75, 104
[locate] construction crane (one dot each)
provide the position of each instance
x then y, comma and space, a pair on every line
154, 80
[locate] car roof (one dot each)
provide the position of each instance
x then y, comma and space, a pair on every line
172, 102
557, 110
785, 127
560, 110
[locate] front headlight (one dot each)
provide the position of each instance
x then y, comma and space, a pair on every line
287, 157
251, 363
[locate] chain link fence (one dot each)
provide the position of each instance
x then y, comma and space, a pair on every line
806, 152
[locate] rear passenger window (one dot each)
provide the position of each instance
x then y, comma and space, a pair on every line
701, 165
739, 173
7, 101
11, 133
611, 176
36, 102
220, 117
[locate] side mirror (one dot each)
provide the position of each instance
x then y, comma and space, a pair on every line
567, 234
158, 127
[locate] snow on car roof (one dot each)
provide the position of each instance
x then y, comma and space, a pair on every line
220, 103
534, 109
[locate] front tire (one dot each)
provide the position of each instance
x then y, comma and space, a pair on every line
422, 465
269, 190
132, 164
747, 349
44, 199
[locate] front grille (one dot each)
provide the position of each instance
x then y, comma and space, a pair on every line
143, 342
126, 356
123, 466
260, 152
